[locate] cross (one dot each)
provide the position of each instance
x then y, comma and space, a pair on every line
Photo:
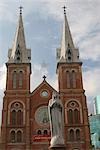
20, 9
64, 9
44, 77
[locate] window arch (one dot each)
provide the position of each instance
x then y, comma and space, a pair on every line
77, 135
71, 135
70, 116
76, 116
20, 79
13, 137
39, 132
73, 79
19, 117
19, 136
17, 79
45, 132
16, 113
14, 79
69, 53
18, 54
16, 136
68, 79
13, 117
73, 112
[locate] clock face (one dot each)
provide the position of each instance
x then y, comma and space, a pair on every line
41, 116
44, 93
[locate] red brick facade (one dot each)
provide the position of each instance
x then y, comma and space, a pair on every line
25, 123
77, 134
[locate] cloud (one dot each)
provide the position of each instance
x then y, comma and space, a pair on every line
2, 77
38, 71
2, 85
6, 11
83, 16
90, 47
91, 80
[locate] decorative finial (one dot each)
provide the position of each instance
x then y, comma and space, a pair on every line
44, 77
20, 10
64, 10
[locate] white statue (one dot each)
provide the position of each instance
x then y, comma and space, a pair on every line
56, 120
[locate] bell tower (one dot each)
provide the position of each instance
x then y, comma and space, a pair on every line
69, 70
16, 101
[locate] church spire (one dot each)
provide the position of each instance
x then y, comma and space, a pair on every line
67, 52
19, 53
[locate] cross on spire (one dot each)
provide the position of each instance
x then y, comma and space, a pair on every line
20, 8
64, 9
44, 77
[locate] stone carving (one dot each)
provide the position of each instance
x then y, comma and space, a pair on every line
55, 109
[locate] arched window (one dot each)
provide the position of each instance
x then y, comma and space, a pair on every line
12, 137
77, 135
39, 132
16, 113
45, 132
13, 117
19, 136
76, 116
19, 117
68, 79
69, 54
14, 79
73, 79
71, 135
73, 112
70, 116
18, 54
20, 79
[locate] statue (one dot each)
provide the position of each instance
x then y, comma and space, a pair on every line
56, 117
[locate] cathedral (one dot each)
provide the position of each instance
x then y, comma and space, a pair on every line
25, 121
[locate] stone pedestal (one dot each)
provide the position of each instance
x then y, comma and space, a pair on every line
58, 147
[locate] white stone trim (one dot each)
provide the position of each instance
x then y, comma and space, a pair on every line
9, 110
80, 109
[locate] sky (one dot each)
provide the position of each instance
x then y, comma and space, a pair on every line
43, 20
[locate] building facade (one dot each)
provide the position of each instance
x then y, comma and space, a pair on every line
97, 105
25, 122
94, 121
95, 130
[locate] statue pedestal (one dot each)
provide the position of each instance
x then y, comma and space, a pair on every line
58, 147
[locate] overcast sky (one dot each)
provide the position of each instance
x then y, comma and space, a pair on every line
43, 21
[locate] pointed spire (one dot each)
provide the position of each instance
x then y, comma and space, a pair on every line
67, 53
66, 37
19, 53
